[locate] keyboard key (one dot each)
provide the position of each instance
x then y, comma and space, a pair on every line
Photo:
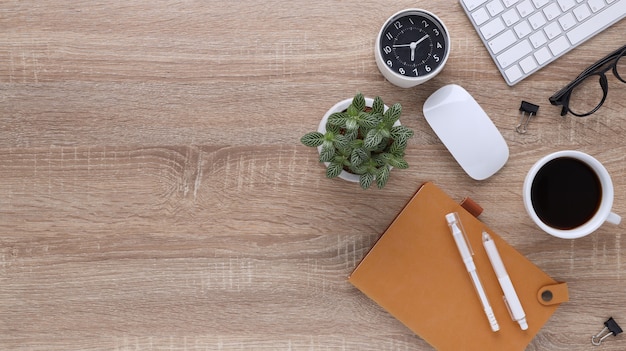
612, 13
472, 4
480, 16
596, 5
525, 8
582, 12
552, 30
513, 73
566, 5
514, 53
567, 21
509, 3
492, 28
537, 20
552, 11
522, 29
538, 39
543, 55
528, 64
495, 7
502, 41
560, 45
510, 17
540, 3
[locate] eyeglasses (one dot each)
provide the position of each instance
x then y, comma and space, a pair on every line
582, 97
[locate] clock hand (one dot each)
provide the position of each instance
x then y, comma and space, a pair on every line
412, 45
422, 39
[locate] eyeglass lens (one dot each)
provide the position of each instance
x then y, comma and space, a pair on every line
589, 94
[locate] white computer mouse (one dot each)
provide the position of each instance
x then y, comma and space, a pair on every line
466, 130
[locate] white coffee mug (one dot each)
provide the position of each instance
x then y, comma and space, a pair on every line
604, 204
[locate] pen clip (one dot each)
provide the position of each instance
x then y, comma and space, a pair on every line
508, 308
459, 224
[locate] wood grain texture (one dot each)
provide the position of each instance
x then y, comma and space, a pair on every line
154, 194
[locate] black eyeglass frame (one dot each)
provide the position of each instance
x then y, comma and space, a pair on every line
561, 97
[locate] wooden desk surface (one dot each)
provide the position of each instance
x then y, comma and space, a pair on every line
154, 194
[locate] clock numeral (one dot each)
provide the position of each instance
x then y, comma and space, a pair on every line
436, 57
389, 63
389, 36
425, 24
398, 25
416, 72
439, 45
387, 49
402, 71
427, 68
411, 20
436, 31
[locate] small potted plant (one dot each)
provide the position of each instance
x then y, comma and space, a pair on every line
361, 139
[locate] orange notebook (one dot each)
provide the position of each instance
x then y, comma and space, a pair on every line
416, 273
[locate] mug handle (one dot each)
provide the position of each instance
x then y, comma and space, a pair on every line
614, 218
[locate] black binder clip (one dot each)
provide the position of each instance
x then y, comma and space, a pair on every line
610, 328
527, 111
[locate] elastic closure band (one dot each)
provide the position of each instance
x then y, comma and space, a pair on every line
553, 294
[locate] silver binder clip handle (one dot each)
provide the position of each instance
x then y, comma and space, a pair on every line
527, 111
610, 328
522, 127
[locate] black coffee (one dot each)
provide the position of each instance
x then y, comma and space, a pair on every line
565, 193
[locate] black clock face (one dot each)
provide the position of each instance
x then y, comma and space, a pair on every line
413, 44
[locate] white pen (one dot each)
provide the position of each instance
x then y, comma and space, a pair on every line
464, 250
510, 296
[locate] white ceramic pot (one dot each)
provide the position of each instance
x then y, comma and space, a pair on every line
339, 107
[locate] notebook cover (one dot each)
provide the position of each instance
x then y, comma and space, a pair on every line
416, 273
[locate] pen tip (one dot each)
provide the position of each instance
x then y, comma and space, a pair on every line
523, 324
486, 236
451, 218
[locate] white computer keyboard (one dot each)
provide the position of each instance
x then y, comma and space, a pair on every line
523, 36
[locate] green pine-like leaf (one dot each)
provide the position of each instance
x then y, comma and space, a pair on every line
379, 161
398, 146
369, 120
338, 118
312, 139
366, 180
358, 169
398, 162
378, 106
358, 157
352, 135
352, 111
327, 153
385, 157
359, 102
382, 177
332, 130
384, 131
352, 124
333, 169
372, 139
356, 143
341, 142
393, 114
401, 132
